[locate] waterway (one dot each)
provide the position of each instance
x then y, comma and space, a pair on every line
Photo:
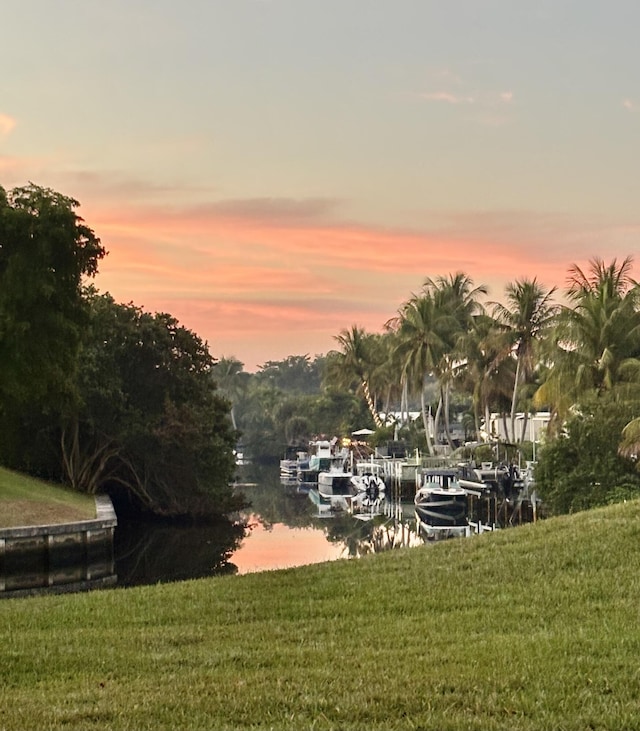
281, 529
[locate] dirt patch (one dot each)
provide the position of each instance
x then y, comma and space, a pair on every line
14, 513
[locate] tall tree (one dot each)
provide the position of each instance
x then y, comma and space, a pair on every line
457, 298
150, 424
354, 364
526, 318
597, 337
484, 372
232, 381
421, 330
46, 251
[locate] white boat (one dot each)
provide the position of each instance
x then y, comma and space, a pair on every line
441, 505
370, 492
289, 466
335, 488
323, 457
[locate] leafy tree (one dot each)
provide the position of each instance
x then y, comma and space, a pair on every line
45, 252
421, 330
151, 426
630, 444
297, 373
263, 435
597, 338
457, 299
354, 364
582, 468
484, 372
336, 412
232, 381
430, 331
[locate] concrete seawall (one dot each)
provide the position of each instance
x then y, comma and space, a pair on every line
63, 557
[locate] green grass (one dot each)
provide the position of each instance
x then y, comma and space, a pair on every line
27, 501
535, 627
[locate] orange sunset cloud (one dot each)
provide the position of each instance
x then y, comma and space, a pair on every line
269, 195
265, 279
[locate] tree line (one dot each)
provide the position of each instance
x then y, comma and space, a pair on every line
448, 348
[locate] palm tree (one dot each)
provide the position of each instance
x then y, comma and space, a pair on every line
630, 444
526, 318
484, 373
457, 298
232, 382
597, 340
421, 331
387, 378
354, 364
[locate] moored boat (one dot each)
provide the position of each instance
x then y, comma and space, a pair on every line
289, 466
441, 505
370, 492
323, 457
335, 488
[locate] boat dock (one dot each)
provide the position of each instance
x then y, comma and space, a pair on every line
490, 506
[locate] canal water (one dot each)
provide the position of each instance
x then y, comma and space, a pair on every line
282, 528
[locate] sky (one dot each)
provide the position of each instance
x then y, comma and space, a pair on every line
272, 172
282, 547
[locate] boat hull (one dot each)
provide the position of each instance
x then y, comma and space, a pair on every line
336, 489
442, 512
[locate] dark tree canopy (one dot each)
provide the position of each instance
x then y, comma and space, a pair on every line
151, 423
45, 251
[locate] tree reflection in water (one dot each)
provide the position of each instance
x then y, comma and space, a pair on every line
276, 502
378, 534
153, 552
148, 553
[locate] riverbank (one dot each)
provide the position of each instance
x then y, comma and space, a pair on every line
53, 539
25, 501
529, 628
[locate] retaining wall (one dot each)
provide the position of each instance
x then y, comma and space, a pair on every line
63, 557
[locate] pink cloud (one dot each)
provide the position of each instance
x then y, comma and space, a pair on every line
264, 279
448, 97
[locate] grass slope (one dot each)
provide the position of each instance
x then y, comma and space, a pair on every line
27, 501
530, 628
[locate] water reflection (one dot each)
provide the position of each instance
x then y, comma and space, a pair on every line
282, 528
381, 533
283, 508
276, 546
151, 552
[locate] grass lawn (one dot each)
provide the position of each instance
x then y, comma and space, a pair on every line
27, 501
536, 627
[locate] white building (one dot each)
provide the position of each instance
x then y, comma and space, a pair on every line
534, 430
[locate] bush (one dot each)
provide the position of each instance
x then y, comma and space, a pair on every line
581, 468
